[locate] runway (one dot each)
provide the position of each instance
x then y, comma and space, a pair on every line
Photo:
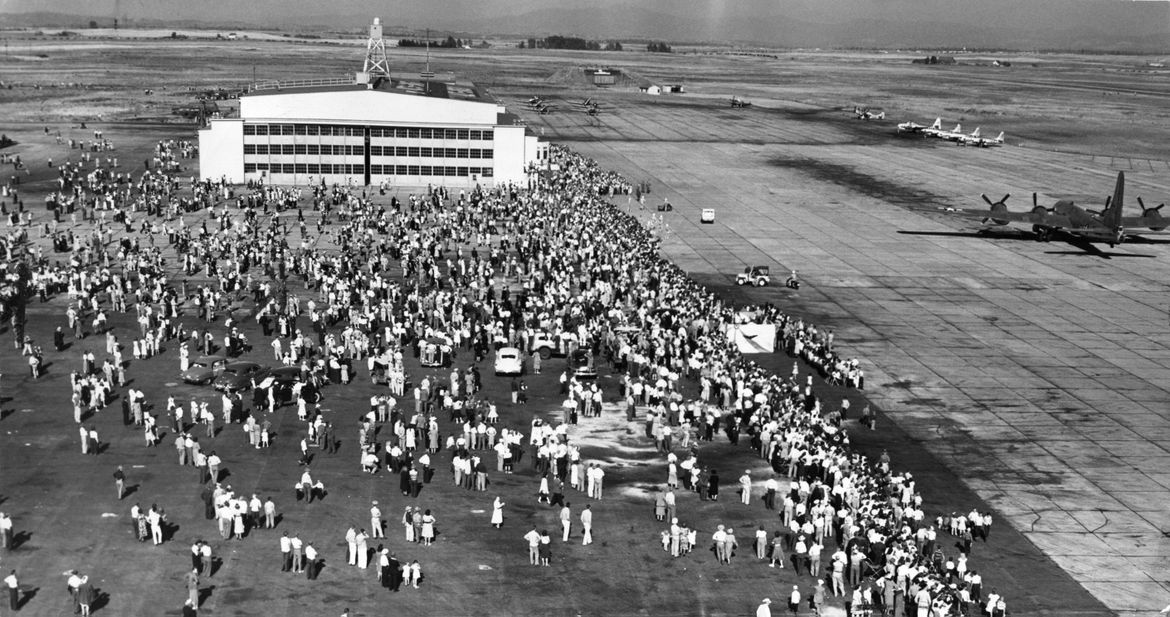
1035, 371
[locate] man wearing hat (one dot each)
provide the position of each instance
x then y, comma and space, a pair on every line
794, 600
376, 521
764, 609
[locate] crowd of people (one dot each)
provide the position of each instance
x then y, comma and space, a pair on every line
442, 274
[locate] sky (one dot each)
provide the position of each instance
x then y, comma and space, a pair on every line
1027, 23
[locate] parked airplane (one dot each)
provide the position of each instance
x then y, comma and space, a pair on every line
983, 142
866, 114
918, 129
955, 134
738, 102
1067, 219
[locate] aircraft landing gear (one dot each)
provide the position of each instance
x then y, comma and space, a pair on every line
1043, 234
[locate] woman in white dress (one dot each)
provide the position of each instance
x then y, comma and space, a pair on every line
498, 513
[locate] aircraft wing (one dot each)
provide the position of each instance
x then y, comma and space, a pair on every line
1045, 218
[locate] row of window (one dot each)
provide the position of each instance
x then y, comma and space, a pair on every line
375, 170
404, 132
328, 150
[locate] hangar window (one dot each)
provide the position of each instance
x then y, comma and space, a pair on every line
287, 149
286, 168
412, 151
425, 151
488, 153
450, 134
412, 170
286, 129
312, 129
314, 169
301, 168
488, 135
463, 133
399, 150
412, 133
425, 170
462, 153
261, 129
299, 149
424, 133
376, 169
486, 172
400, 170
249, 168
375, 132
261, 166
249, 129
475, 135
312, 149
375, 150
400, 133
249, 149
462, 171
298, 129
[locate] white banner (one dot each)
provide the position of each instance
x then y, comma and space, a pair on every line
752, 337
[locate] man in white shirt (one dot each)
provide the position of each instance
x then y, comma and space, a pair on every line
376, 522
285, 553
533, 538
765, 608
587, 524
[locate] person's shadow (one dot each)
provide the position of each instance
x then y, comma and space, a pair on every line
205, 594
130, 490
28, 596
100, 599
20, 539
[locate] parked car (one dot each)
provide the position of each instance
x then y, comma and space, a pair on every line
707, 215
282, 381
509, 361
205, 369
238, 376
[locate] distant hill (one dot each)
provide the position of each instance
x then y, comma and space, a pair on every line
1105, 25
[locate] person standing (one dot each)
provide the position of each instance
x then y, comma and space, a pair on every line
566, 522
533, 538
311, 556
193, 587
745, 487
120, 482
587, 525
794, 600
5, 531
351, 546
298, 552
85, 596
13, 585
363, 553
285, 552
376, 522
498, 513
765, 608
269, 514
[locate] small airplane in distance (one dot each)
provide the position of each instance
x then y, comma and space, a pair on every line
913, 128
738, 102
1076, 224
585, 103
866, 114
981, 142
955, 134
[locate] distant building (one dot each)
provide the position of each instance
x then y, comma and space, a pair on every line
934, 60
650, 89
368, 130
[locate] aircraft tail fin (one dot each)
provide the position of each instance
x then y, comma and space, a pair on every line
975, 133
1112, 215
937, 124
958, 128
999, 140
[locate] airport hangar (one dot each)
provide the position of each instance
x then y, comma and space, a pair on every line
369, 130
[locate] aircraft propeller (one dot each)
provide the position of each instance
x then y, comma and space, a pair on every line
1002, 201
1153, 214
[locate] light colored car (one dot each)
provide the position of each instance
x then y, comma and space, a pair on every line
756, 276
707, 215
509, 361
205, 369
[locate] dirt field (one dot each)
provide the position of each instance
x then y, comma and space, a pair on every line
1012, 375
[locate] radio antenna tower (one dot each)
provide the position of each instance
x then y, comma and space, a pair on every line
376, 62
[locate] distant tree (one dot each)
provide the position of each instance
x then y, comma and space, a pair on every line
451, 42
174, 35
521, 46
531, 43
92, 24
656, 47
613, 46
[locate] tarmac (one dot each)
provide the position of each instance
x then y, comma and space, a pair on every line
1036, 372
